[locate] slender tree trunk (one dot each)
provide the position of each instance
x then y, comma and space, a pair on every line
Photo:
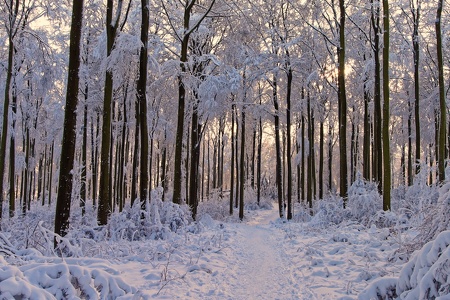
386, 114
377, 134
94, 160
142, 100
5, 126
409, 180
279, 170
342, 106
367, 137
353, 148
83, 191
12, 161
70, 120
104, 204
321, 149
416, 55
50, 180
252, 163
122, 164
233, 107
258, 165
288, 142
178, 178
44, 183
302, 179
309, 168
297, 145
313, 154
442, 105
134, 179
195, 159
27, 186
242, 166
330, 156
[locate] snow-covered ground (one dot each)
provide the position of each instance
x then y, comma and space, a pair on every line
263, 257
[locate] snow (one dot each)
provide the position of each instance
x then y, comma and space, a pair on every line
263, 257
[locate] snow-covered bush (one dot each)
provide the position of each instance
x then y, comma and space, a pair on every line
363, 200
328, 212
436, 217
251, 203
425, 276
217, 206
157, 222
63, 279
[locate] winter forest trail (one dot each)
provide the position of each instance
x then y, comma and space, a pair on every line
250, 264
261, 270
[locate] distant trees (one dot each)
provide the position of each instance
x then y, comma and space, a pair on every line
288, 99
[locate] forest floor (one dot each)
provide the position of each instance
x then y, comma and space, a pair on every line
265, 257
261, 257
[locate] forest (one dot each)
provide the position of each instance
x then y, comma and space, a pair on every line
118, 115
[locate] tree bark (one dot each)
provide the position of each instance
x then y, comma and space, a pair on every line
442, 105
342, 107
386, 114
279, 170
142, 100
377, 134
70, 120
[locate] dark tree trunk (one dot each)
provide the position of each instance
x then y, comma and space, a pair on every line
232, 159
142, 100
12, 162
242, 167
386, 113
377, 167
288, 142
258, 165
309, 168
442, 104
134, 178
321, 149
416, 57
279, 167
70, 120
342, 99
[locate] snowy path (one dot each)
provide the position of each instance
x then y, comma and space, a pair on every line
261, 258
261, 272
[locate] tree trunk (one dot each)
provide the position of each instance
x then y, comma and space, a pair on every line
70, 120
104, 204
233, 107
409, 175
330, 157
258, 165
309, 167
367, 137
195, 159
342, 106
386, 114
321, 149
5, 125
288, 142
142, 100
12, 161
416, 56
83, 191
134, 178
442, 105
50, 180
279, 170
377, 134
242, 166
